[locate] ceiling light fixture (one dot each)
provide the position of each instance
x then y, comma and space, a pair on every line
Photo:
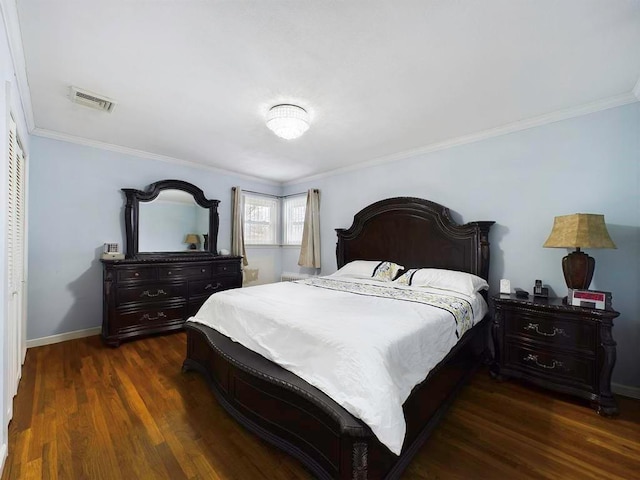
288, 121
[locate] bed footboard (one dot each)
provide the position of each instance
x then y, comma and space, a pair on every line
293, 415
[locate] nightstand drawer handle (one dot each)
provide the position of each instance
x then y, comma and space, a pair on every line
148, 317
534, 358
213, 287
556, 331
147, 293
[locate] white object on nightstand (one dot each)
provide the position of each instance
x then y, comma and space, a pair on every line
505, 286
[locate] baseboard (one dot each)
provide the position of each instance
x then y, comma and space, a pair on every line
3, 456
63, 337
625, 391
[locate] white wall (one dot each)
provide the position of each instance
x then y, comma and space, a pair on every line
589, 164
9, 105
76, 205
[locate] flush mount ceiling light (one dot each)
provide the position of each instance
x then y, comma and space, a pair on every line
288, 121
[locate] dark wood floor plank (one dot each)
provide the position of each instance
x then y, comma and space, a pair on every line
84, 410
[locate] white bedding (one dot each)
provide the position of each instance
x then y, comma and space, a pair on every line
366, 352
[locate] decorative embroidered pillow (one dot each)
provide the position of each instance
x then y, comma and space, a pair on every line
460, 282
386, 271
405, 278
375, 269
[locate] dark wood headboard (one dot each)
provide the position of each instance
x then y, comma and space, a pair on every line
415, 233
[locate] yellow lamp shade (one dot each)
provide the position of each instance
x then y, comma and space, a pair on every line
580, 230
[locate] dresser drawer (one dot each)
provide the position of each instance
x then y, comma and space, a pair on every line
207, 287
226, 268
137, 273
150, 317
194, 306
550, 364
154, 295
551, 330
157, 292
184, 271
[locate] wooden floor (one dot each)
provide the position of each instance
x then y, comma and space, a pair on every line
84, 411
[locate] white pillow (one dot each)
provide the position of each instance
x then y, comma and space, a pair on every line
374, 269
460, 282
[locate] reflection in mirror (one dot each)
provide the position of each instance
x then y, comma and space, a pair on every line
165, 222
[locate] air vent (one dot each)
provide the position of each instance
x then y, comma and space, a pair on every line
89, 99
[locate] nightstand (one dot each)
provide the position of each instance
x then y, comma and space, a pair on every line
561, 347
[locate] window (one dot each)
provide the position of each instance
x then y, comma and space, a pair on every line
261, 223
294, 208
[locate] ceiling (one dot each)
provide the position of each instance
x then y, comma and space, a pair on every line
193, 80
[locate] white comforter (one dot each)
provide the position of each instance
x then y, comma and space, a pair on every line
365, 352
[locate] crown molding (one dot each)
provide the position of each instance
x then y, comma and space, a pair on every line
65, 137
14, 38
9, 11
604, 104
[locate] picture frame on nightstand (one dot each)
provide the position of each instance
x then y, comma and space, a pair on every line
589, 299
505, 287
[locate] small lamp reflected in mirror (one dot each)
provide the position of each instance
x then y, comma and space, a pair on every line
193, 240
580, 230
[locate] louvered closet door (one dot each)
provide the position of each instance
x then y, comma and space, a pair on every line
15, 263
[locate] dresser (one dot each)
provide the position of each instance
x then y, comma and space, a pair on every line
155, 295
561, 347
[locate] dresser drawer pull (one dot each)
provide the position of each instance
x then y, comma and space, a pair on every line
213, 287
147, 293
137, 274
147, 317
556, 331
534, 358
203, 270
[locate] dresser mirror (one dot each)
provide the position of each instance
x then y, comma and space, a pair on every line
170, 218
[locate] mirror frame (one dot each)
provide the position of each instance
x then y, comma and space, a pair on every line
132, 217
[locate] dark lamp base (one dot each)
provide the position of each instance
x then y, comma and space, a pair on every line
578, 270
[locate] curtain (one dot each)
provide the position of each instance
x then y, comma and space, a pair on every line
237, 225
310, 247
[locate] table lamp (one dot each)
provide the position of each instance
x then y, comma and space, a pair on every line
580, 230
193, 240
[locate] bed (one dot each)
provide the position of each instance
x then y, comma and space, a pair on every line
289, 412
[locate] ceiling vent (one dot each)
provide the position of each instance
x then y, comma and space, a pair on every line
89, 99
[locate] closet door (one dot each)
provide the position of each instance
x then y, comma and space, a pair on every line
15, 264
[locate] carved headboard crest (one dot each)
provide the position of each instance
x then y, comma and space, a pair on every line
415, 233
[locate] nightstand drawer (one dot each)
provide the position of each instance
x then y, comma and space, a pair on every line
557, 346
548, 363
551, 330
157, 292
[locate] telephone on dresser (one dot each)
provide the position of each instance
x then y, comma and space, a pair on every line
539, 290
111, 251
